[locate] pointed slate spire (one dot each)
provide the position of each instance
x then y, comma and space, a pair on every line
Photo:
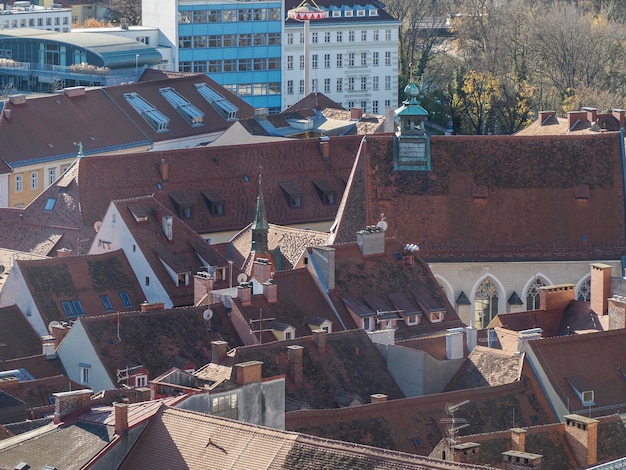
260, 227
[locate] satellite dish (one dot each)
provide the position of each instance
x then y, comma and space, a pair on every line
207, 314
382, 225
1, 268
97, 224
243, 277
52, 324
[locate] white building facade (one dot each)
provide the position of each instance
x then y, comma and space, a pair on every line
23, 14
353, 57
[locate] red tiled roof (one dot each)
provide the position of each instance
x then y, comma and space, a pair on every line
528, 179
83, 278
599, 359
17, 336
39, 366
231, 171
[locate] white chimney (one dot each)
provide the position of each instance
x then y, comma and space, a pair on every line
454, 343
168, 227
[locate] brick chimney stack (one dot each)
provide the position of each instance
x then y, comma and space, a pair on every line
202, 285
576, 116
620, 116
164, 170
121, 419
582, 435
58, 332
244, 293
248, 372
262, 270
518, 439
151, 306
543, 115
600, 287
295, 354
218, 351
319, 339
556, 297
325, 147
378, 398
71, 403
270, 291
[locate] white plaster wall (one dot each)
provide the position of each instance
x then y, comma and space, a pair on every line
4, 190
76, 348
114, 230
164, 16
511, 276
15, 292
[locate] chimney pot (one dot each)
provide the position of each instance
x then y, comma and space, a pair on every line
325, 148
556, 297
244, 293
518, 439
356, 113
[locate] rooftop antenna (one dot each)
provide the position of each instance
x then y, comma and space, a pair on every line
260, 321
454, 424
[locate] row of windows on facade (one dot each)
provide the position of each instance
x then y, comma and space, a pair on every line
315, 36
230, 65
21, 23
229, 16
339, 62
34, 178
210, 41
339, 84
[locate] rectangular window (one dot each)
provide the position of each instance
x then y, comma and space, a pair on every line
339, 85
314, 38
351, 59
199, 67
273, 88
351, 84
260, 39
289, 62
273, 14
50, 203
147, 280
259, 64
363, 83
229, 40
273, 39
367, 323
290, 87
387, 82
215, 16
273, 63
375, 82
126, 299
230, 65
387, 102
363, 58
84, 374
215, 40
301, 86
52, 175
289, 38
199, 42
375, 59
301, 40
350, 36
259, 14
375, 35
364, 36
388, 58
224, 406
388, 35
245, 15
244, 40
72, 308
106, 302
199, 16
184, 42
375, 106
184, 17
326, 61
327, 85
229, 16
327, 36
339, 60
215, 66
314, 85
364, 106
339, 36
34, 180
314, 61
301, 62
141, 381
244, 65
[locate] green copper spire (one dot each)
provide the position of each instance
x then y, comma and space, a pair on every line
260, 227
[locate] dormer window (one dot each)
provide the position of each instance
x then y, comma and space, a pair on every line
347, 13
336, 14
373, 12
583, 389
183, 205
293, 194
360, 13
182, 279
436, 317
326, 192
214, 201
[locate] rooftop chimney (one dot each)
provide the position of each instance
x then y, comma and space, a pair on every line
64, 252
319, 339
295, 354
325, 147
582, 435
167, 225
17, 99
244, 293
164, 170
151, 306
48, 345
378, 398
620, 116
592, 114
262, 270
454, 343
270, 291
518, 439
71, 403
600, 287
248, 372
121, 418
544, 115
218, 351
7, 114
575, 118
371, 241
73, 92
202, 285
58, 332
472, 338
356, 114
556, 297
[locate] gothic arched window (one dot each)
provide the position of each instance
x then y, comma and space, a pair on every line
486, 304
584, 293
532, 298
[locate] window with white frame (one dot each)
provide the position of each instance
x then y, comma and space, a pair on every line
339, 60
375, 104
327, 85
351, 84
290, 87
301, 86
289, 38
351, 59
85, 373
375, 84
314, 85
387, 82
367, 323
387, 102
34, 180
388, 35
532, 298
289, 62
326, 61
327, 36
301, 38
301, 62
52, 175
363, 84
364, 105
388, 58
18, 183
350, 36
350, 104
376, 35
314, 38
339, 84
375, 59
314, 61
364, 34
141, 380
224, 406
363, 58
339, 36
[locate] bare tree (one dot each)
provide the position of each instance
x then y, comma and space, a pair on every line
124, 11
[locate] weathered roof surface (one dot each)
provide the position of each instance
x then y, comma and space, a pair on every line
580, 122
598, 358
83, 278
184, 439
413, 424
230, 172
315, 100
357, 276
438, 211
17, 336
352, 363
153, 338
38, 392
298, 298
69, 447
487, 367
39, 366
182, 255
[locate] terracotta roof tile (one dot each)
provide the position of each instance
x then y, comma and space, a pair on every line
487, 367
17, 336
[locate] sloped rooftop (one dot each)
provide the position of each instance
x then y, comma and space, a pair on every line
486, 367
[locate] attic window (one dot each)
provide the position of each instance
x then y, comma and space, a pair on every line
126, 299
138, 212
292, 194
325, 191
50, 203
582, 388
360, 13
336, 14
436, 317
72, 308
157, 120
183, 205
217, 101
373, 12
106, 302
214, 201
188, 111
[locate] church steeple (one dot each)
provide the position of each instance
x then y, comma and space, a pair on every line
260, 227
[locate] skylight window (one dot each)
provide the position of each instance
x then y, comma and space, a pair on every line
50, 203
188, 111
125, 299
106, 302
153, 116
219, 103
72, 308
